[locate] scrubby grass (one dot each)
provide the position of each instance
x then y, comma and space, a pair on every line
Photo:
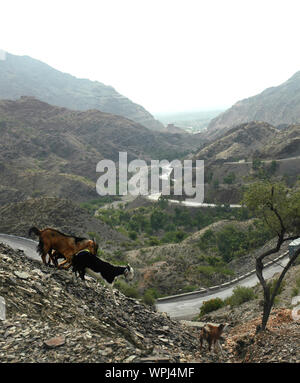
240, 295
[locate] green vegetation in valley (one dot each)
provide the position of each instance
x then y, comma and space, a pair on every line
161, 223
95, 204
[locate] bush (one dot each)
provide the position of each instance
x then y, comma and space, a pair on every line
128, 290
240, 295
174, 236
229, 179
149, 297
153, 241
133, 235
211, 305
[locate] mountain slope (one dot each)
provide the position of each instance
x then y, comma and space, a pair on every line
246, 153
25, 76
64, 215
250, 140
278, 105
53, 151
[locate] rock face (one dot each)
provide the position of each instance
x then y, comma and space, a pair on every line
278, 105
25, 76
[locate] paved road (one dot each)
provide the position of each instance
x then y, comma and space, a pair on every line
188, 307
178, 308
27, 245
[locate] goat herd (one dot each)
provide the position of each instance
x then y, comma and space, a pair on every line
80, 253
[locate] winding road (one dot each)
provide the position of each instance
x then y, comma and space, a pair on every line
185, 306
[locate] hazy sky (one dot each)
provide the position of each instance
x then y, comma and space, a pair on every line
167, 55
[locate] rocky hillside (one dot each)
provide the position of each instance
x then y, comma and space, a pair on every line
249, 151
50, 317
64, 215
25, 76
181, 267
278, 105
280, 343
52, 151
242, 142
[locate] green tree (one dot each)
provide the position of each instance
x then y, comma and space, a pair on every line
230, 242
256, 163
157, 219
229, 179
279, 207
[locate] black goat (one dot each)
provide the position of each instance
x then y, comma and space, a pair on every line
86, 263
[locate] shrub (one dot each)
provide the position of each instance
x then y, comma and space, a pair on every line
207, 240
133, 235
211, 305
128, 290
229, 179
153, 241
149, 297
240, 295
174, 236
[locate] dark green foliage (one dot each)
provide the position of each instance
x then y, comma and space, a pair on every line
174, 236
158, 219
211, 305
133, 235
241, 294
162, 223
256, 163
149, 297
229, 179
232, 242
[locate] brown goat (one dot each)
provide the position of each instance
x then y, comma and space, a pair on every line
212, 334
66, 245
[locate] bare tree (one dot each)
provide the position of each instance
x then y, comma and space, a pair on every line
279, 208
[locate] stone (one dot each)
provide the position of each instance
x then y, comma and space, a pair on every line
55, 342
22, 274
2, 309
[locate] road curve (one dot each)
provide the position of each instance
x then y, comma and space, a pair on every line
187, 307
25, 244
181, 307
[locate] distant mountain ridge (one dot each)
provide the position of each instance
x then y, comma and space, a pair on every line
25, 76
277, 106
